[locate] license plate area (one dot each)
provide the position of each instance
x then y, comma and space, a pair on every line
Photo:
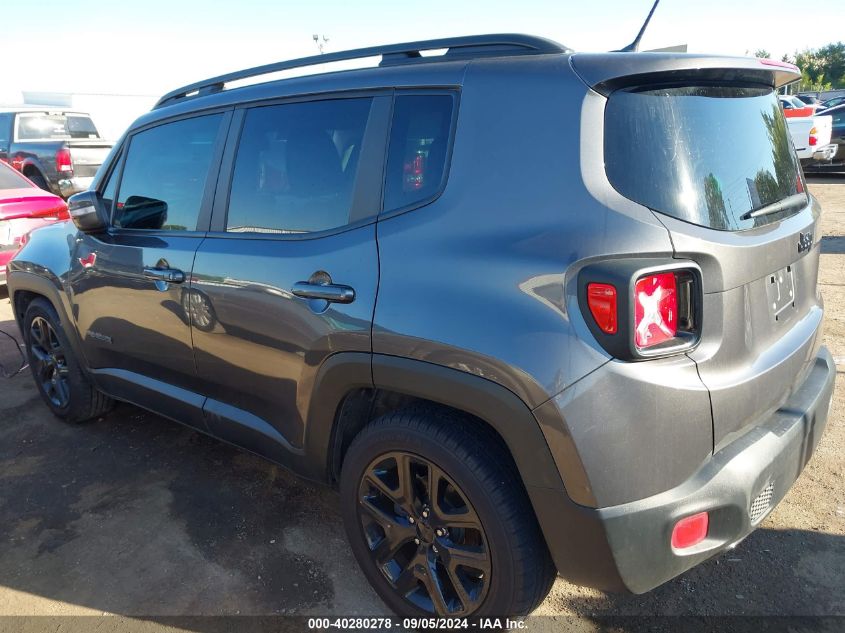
780, 289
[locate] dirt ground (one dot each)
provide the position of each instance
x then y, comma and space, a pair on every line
137, 516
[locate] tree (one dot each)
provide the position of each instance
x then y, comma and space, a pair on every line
762, 53
822, 68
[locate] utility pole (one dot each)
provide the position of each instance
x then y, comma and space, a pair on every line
320, 41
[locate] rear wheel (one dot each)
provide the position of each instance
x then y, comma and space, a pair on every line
438, 518
38, 180
58, 376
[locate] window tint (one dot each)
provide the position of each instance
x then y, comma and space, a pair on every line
43, 125
10, 179
709, 155
165, 174
419, 140
296, 166
111, 187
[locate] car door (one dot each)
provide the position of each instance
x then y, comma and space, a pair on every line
128, 284
288, 274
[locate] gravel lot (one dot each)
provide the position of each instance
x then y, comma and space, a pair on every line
136, 516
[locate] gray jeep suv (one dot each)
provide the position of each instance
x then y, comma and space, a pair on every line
531, 311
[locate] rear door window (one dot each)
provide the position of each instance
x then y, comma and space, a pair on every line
296, 167
35, 126
419, 145
716, 156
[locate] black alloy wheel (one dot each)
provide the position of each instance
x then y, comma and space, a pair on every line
62, 383
49, 362
424, 535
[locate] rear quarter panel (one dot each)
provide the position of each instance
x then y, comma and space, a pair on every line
481, 280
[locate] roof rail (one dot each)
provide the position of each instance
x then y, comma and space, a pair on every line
457, 47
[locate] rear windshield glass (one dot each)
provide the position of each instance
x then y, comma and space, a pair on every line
716, 156
10, 180
36, 126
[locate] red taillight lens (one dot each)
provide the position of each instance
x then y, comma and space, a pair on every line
813, 138
601, 299
414, 171
690, 530
63, 160
655, 309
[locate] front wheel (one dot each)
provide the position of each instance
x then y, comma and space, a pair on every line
58, 376
438, 519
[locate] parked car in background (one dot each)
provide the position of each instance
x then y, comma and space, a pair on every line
811, 136
794, 107
58, 150
23, 208
808, 99
832, 103
837, 139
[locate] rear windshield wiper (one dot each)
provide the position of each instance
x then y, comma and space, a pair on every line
795, 200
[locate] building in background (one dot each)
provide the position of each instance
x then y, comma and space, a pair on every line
112, 113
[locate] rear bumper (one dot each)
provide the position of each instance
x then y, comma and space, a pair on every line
820, 154
70, 186
765, 461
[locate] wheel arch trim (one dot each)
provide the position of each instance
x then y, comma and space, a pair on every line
49, 288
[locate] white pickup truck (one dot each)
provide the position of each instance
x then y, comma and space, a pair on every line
811, 137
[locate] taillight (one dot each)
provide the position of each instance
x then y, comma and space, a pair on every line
63, 160
601, 299
813, 136
414, 172
640, 309
655, 310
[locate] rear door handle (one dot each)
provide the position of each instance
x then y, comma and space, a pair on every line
333, 293
169, 275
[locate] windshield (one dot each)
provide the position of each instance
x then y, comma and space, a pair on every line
38, 126
709, 155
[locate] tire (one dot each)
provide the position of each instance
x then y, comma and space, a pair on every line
509, 570
39, 181
59, 378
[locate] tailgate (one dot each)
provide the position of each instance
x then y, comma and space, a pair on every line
87, 156
761, 317
707, 149
824, 128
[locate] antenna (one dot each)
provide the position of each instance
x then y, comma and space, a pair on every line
320, 45
634, 46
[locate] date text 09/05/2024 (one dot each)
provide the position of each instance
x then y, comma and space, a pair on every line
388, 623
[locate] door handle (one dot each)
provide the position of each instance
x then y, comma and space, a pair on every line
168, 275
333, 293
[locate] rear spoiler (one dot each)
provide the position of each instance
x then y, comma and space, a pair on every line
606, 72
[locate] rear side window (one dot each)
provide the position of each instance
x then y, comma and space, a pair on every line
419, 144
296, 167
165, 174
10, 179
716, 156
34, 126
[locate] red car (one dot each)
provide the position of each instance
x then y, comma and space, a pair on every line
23, 207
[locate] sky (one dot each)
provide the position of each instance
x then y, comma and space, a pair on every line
148, 47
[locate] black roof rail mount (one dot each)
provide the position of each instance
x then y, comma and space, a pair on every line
456, 48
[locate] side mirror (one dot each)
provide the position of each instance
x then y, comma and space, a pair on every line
88, 212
